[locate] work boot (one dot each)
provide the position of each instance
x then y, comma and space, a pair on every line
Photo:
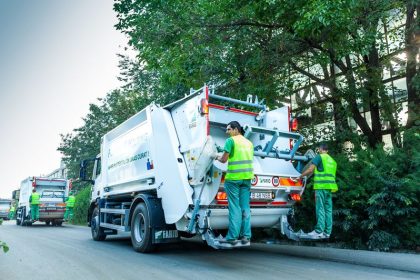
231, 242
325, 235
315, 234
245, 241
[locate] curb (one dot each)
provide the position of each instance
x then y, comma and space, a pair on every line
394, 261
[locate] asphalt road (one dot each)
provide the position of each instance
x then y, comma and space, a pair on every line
68, 252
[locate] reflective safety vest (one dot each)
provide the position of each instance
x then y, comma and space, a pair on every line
35, 198
240, 164
12, 209
325, 180
70, 202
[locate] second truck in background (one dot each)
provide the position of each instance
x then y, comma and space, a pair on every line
52, 206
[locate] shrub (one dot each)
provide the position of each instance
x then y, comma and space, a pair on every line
81, 206
376, 206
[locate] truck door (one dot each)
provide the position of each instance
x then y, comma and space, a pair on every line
170, 169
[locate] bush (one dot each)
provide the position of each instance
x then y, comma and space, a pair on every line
376, 206
81, 206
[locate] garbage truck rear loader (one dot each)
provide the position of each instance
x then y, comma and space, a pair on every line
51, 208
156, 177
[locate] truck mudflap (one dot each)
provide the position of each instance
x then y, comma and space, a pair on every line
286, 229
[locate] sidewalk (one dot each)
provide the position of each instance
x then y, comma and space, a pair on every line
395, 261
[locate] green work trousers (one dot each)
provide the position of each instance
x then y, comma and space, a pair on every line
68, 215
11, 215
239, 209
324, 207
34, 211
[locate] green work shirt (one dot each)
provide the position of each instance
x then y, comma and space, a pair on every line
317, 161
229, 144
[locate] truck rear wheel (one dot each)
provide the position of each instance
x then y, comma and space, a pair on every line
22, 221
141, 231
18, 219
97, 232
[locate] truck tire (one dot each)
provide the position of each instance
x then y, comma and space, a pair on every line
97, 232
18, 221
22, 217
141, 231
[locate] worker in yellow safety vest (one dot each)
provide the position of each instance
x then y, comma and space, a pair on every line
34, 201
12, 211
70, 201
324, 168
239, 153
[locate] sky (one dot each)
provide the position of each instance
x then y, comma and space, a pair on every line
56, 57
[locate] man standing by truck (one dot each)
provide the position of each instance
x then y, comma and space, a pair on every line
12, 211
239, 152
71, 200
34, 201
324, 168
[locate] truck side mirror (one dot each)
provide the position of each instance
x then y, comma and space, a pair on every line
15, 195
83, 173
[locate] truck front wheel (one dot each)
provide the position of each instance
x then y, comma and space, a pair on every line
97, 232
141, 231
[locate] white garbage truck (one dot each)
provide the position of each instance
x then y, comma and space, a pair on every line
4, 208
156, 176
52, 206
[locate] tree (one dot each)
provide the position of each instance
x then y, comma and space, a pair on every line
412, 41
255, 47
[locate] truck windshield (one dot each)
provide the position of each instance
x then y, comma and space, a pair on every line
4, 205
53, 194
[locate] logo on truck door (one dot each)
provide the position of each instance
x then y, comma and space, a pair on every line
130, 159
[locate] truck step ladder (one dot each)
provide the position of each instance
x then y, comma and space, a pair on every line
123, 210
214, 242
287, 230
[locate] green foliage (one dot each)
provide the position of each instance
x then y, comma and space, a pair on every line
269, 48
376, 206
3, 245
274, 48
81, 206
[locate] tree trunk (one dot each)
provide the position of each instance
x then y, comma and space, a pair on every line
351, 99
372, 86
412, 28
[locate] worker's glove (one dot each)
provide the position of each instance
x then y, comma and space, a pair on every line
216, 155
219, 149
